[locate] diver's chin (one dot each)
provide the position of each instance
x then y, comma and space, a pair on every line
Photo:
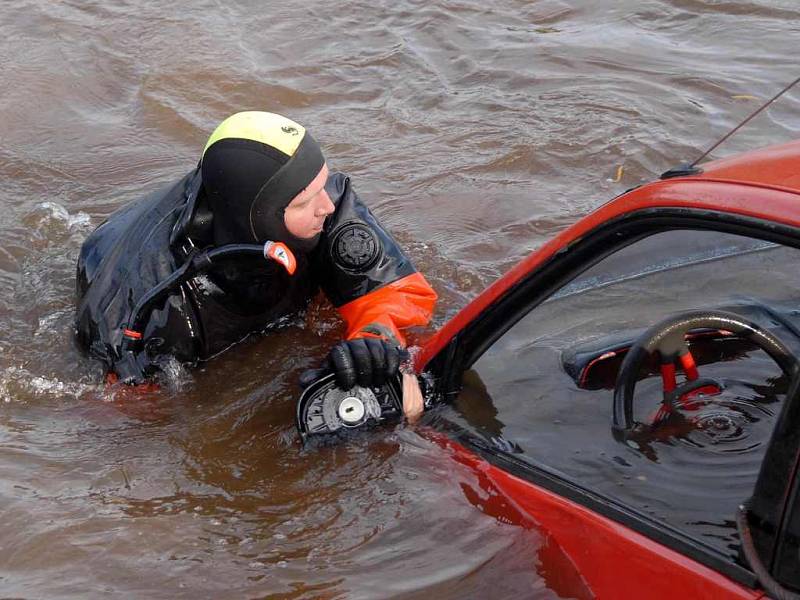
303, 245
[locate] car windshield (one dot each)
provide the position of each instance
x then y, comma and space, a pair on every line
544, 390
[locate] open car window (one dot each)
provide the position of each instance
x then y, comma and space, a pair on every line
543, 391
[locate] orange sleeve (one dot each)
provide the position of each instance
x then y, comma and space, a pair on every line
407, 302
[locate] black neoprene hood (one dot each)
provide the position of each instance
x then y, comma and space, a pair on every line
252, 172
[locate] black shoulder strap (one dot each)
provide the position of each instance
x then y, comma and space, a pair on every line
194, 221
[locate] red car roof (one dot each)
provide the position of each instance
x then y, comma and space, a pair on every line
775, 166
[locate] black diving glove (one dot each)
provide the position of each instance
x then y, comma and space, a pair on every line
368, 362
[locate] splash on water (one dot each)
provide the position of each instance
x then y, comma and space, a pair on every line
18, 383
52, 220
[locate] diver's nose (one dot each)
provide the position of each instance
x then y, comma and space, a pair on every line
326, 206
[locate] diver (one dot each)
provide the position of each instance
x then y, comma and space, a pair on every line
242, 241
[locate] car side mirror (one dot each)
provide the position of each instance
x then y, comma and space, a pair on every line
325, 409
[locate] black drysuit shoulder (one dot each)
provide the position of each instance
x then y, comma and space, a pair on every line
356, 255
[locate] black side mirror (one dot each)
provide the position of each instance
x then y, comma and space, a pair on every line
325, 409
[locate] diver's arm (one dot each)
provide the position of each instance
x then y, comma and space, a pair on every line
366, 274
386, 311
372, 283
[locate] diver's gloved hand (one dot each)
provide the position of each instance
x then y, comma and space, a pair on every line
368, 362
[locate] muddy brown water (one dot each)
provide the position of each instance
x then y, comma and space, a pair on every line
474, 130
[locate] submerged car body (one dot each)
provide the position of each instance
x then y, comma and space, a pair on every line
643, 506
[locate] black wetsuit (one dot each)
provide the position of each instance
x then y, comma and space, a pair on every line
145, 242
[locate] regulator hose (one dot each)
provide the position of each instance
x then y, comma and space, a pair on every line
195, 263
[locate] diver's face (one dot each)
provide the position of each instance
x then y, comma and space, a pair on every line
305, 214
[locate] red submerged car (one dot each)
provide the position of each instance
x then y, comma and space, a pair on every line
631, 388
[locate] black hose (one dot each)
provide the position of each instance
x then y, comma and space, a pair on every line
234, 250
772, 587
195, 263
